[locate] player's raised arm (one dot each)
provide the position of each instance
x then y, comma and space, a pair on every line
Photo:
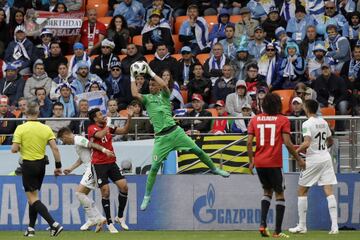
291, 149
159, 80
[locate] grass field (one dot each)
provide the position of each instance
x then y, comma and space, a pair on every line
178, 235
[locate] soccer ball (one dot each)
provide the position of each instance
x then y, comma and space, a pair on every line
138, 68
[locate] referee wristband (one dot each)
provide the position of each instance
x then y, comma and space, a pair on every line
57, 164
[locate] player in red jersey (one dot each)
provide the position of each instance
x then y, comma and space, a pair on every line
105, 167
271, 130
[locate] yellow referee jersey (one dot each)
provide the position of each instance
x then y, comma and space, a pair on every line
33, 137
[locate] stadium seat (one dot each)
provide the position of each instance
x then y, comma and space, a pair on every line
137, 40
213, 112
122, 56
93, 57
329, 111
101, 9
211, 21
235, 18
286, 96
104, 2
202, 57
105, 20
177, 44
123, 113
149, 57
177, 56
178, 21
184, 94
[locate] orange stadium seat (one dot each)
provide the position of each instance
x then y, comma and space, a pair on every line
93, 57
177, 56
286, 96
105, 20
137, 40
235, 18
329, 111
149, 57
211, 21
177, 44
202, 57
213, 112
184, 94
178, 21
122, 56
123, 113
101, 9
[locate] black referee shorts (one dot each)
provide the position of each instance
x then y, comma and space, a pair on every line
33, 173
102, 173
271, 178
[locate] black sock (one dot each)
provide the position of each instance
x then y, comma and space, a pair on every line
106, 206
32, 216
122, 203
280, 210
43, 211
265, 205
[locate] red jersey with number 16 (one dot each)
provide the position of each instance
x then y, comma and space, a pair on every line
98, 157
268, 132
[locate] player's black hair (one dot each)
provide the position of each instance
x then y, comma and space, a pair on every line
92, 114
311, 106
58, 104
63, 131
272, 104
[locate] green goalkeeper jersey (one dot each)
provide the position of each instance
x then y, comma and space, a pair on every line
158, 107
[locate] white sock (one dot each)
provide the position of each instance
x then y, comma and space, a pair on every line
332, 205
302, 210
91, 210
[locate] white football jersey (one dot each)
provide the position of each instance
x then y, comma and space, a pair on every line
318, 129
82, 149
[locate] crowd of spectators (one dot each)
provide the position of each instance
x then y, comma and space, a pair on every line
311, 47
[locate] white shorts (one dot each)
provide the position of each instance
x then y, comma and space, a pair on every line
88, 179
321, 173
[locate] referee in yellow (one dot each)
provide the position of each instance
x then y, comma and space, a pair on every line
30, 139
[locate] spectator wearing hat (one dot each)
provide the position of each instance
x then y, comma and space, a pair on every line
331, 91
242, 59
259, 98
295, 126
200, 126
218, 31
214, 64
20, 50
256, 45
92, 33
230, 43
334, 16
314, 64
119, 32
236, 99
246, 26
308, 44
186, 65
53, 61
339, 47
7, 128
101, 64
118, 86
252, 79
132, 55
194, 31
134, 13
12, 85
273, 21
281, 39
352, 29
220, 126
292, 67
79, 55
64, 76
269, 66
83, 77
165, 10
37, 80
43, 49
225, 84
240, 125
296, 26
45, 104
259, 8
156, 31
199, 84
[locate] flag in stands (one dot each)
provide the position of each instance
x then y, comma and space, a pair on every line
96, 99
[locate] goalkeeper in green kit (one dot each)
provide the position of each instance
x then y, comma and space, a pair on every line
168, 136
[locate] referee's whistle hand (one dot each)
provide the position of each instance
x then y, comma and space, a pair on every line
57, 171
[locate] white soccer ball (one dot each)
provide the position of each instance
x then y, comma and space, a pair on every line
138, 68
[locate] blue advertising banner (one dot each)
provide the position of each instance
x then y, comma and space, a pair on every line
182, 202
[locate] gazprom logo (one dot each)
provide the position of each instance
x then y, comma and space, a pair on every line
205, 211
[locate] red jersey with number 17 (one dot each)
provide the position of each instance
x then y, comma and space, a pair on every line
98, 157
268, 132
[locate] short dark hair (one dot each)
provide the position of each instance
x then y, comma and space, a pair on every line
58, 104
252, 65
193, 6
198, 64
311, 106
38, 89
272, 104
54, 42
92, 114
63, 131
230, 26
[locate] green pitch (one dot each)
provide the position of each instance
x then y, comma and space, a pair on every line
178, 235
